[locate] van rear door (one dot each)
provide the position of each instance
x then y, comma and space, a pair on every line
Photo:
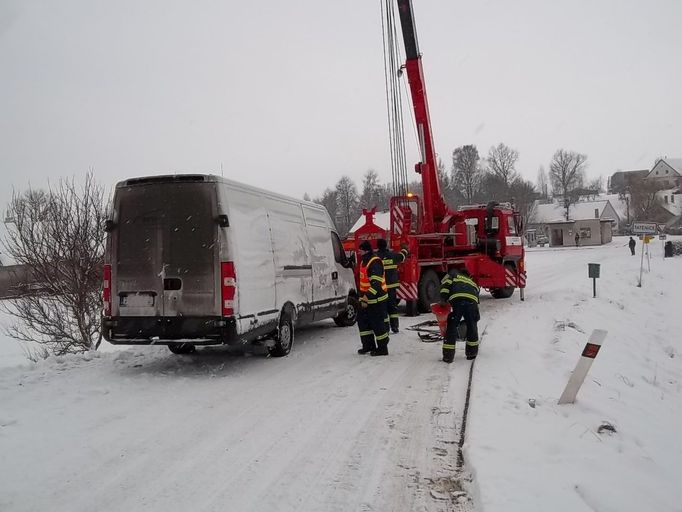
166, 250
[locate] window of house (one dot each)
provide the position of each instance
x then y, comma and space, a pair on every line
666, 199
596, 213
585, 232
672, 198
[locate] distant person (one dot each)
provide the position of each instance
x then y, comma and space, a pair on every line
577, 239
632, 244
461, 292
391, 260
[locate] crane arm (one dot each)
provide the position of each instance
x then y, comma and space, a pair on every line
435, 208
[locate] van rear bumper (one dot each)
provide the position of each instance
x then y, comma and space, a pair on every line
137, 330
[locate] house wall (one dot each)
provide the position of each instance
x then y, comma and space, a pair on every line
665, 175
606, 232
590, 232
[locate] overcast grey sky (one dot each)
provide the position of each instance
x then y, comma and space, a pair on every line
290, 95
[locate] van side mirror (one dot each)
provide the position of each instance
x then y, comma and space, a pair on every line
109, 225
351, 260
223, 221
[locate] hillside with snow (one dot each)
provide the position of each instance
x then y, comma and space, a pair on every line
325, 429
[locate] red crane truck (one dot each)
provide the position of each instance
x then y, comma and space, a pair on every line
485, 240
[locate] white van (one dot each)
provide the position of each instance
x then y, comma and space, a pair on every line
202, 260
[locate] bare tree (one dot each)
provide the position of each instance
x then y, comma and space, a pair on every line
59, 236
645, 204
523, 196
347, 202
502, 162
596, 185
466, 171
542, 183
566, 173
371, 190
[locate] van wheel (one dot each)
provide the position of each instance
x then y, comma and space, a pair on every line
349, 315
285, 336
182, 348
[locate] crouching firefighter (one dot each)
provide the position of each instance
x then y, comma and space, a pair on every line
372, 317
391, 260
461, 292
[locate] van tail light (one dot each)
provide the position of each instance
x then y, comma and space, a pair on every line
228, 287
106, 290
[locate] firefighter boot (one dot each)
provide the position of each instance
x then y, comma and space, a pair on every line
394, 324
381, 350
448, 352
364, 350
471, 349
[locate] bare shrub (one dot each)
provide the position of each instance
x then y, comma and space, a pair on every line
57, 234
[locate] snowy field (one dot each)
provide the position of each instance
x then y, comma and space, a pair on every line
327, 430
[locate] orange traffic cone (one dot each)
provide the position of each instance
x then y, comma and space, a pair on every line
441, 313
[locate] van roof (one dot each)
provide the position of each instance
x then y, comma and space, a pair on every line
207, 178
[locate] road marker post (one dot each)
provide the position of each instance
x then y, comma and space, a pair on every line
577, 378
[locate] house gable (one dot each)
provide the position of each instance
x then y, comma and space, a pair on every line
665, 168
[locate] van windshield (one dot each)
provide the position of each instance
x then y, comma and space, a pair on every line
166, 230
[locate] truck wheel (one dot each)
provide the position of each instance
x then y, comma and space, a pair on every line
502, 293
349, 315
429, 291
411, 308
507, 291
182, 348
285, 336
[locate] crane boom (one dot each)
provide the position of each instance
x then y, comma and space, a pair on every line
434, 205
483, 239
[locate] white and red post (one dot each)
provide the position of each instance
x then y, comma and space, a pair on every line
584, 363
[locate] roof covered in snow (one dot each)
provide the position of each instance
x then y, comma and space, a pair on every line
584, 210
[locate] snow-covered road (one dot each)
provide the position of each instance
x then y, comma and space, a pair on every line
323, 429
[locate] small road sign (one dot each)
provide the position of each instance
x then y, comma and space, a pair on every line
644, 228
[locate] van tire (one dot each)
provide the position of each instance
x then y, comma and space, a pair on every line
284, 339
349, 315
182, 348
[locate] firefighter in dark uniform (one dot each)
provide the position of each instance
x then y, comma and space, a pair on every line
372, 317
391, 260
461, 292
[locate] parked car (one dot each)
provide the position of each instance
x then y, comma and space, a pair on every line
542, 240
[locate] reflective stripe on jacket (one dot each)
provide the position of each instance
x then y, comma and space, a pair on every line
391, 260
372, 281
458, 287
